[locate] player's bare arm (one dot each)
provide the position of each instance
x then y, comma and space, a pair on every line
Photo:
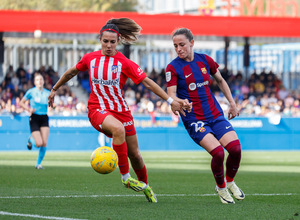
69, 74
233, 110
26, 107
175, 105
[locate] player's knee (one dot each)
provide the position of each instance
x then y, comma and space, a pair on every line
218, 154
118, 131
234, 148
38, 142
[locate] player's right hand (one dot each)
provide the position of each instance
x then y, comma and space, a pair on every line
180, 105
187, 106
177, 107
51, 99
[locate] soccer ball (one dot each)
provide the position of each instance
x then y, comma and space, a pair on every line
104, 160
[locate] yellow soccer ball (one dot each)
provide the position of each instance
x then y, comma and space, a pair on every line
104, 160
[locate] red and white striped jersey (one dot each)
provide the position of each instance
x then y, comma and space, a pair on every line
108, 75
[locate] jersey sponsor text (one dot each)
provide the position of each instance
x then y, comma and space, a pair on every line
114, 82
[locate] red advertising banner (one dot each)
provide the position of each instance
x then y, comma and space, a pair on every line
159, 24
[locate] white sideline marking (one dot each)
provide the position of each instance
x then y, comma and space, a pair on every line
37, 216
134, 195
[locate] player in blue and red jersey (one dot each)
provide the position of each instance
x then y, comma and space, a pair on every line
188, 77
108, 111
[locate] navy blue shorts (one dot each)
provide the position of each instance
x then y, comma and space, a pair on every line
218, 127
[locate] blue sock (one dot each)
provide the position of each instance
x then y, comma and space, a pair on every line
31, 139
42, 152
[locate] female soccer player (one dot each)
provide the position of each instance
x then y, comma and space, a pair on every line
39, 121
188, 77
108, 111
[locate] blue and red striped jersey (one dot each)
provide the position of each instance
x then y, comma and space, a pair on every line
192, 80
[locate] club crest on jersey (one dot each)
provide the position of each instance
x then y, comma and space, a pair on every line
203, 70
114, 71
199, 126
168, 76
37, 99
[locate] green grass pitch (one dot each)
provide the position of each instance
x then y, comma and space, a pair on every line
68, 188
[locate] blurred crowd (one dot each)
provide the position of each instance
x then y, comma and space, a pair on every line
17, 82
262, 94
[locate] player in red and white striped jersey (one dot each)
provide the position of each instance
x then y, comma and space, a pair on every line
108, 111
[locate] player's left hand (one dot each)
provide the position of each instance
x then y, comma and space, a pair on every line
187, 106
233, 112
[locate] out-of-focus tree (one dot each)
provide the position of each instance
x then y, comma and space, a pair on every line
70, 5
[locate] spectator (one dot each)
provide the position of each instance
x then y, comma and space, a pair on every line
130, 96
259, 87
20, 68
9, 74
15, 81
264, 101
23, 77
289, 100
54, 77
244, 89
16, 92
272, 98
282, 93
214, 86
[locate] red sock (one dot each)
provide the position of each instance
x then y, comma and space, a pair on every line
217, 166
142, 174
121, 151
233, 159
